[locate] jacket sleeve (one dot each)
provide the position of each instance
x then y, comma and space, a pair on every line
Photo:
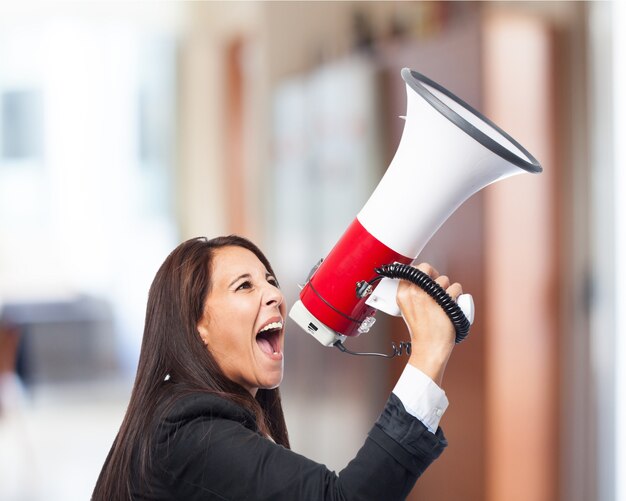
213, 457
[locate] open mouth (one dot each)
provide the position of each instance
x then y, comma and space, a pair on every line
268, 338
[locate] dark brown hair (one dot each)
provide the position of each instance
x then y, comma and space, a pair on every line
172, 346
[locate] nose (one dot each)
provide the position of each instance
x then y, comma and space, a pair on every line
273, 296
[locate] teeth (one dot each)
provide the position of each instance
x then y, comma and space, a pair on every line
272, 326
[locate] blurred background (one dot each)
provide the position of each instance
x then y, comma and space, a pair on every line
127, 127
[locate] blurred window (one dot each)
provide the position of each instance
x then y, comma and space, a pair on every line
21, 124
87, 152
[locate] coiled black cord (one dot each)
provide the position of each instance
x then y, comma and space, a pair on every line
397, 350
434, 290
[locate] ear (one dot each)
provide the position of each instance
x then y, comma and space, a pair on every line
203, 331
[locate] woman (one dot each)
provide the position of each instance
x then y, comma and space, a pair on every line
205, 419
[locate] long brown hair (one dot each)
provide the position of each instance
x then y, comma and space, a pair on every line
172, 346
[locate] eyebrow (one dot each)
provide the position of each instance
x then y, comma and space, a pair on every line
248, 276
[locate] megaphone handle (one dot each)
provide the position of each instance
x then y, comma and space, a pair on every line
454, 311
466, 303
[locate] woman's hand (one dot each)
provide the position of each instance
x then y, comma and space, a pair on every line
432, 332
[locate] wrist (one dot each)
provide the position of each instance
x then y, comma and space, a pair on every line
432, 365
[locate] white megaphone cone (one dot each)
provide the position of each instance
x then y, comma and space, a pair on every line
448, 152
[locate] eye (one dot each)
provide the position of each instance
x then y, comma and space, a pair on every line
244, 285
271, 280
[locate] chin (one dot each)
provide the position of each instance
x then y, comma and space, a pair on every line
272, 383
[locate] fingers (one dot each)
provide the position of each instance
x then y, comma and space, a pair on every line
443, 281
428, 269
454, 290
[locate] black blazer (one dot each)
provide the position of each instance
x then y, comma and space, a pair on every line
209, 448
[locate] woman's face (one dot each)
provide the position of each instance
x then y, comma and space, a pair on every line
243, 320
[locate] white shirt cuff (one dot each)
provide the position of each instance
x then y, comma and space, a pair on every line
421, 397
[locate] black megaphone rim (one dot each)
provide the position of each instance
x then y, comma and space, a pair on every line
416, 80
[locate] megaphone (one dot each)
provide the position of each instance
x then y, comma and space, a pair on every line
448, 151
